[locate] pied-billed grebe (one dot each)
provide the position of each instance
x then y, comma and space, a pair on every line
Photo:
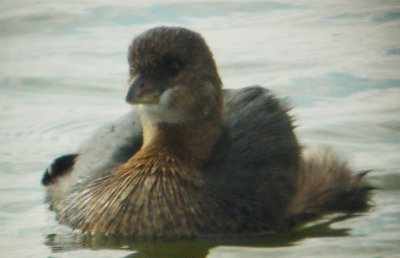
195, 160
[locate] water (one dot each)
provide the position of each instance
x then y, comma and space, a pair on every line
63, 74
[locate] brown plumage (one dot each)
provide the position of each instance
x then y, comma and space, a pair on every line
144, 198
326, 184
199, 160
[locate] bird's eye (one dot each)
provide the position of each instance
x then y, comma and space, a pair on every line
173, 68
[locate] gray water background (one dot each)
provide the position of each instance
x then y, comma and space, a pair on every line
63, 73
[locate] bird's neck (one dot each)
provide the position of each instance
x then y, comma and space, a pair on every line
190, 142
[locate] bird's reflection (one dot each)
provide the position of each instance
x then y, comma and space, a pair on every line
196, 248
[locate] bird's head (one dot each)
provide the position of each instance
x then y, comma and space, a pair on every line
172, 76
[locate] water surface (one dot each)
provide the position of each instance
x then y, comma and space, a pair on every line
63, 72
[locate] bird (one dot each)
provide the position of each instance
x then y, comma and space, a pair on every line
192, 159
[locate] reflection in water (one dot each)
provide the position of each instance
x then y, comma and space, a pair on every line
196, 248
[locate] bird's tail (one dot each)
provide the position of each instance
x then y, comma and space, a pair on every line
327, 184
